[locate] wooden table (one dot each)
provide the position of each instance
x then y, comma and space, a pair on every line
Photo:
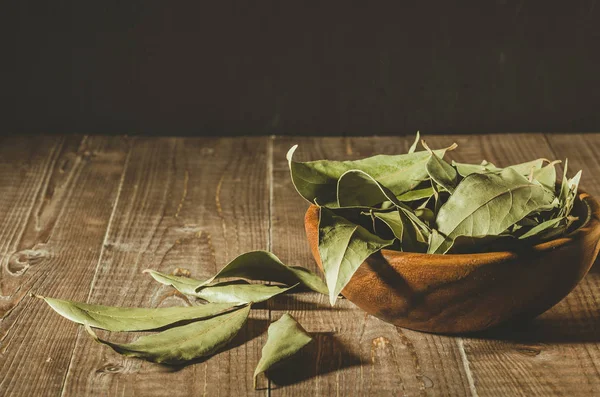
81, 217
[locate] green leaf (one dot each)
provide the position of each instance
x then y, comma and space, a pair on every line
527, 167
185, 285
488, 204
264, 266
417, 194
188, 342
343, 247
413, 147
132, 318
404, 230
356, 188
285, 338
486, 167
546, 175
440, 171
239, 291
316, 181
467, 169
537, 230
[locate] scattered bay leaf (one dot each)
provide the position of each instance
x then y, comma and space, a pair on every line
238, 291
132, 318
265, 266
285, 338
184, 343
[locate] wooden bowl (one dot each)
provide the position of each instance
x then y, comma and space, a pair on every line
471, 292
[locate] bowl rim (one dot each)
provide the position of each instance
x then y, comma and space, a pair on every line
591, 223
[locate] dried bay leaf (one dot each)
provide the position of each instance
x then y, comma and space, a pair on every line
265, 266
488, 204
184, 343
343, 247
464, 169
440, 171
239, 291
356, 188
316, 181
404, 230
546, 175
413, 147
133, 318
285, 338
417, 194
536, 231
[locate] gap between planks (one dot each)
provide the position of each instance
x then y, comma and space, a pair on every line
100, 257
270, 141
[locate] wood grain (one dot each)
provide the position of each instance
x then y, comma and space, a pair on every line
82, 216
55, 212
354, 354
191, 204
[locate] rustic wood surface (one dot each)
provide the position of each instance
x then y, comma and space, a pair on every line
81, 217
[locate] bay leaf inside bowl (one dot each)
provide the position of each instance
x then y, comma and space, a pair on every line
471, 292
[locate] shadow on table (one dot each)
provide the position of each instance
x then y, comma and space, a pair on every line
325, 354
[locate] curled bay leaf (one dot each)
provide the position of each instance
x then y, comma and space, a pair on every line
285, 338
265, 266
316, 181
184, 343
440, 171
546, 175
238, 291
356, 188
343, 246
133, 318
413, 147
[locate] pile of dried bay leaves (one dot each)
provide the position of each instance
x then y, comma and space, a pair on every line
417, 202
414, 202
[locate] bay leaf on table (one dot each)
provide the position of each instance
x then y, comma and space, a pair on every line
184, 343
316, 181
488, 204
343, 247
265, 266
239, 291
133, 318
285, 337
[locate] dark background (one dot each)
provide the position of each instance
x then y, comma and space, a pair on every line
300, 67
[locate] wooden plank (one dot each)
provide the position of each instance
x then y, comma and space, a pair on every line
556, 354
354, 353
55, 214
185, 203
